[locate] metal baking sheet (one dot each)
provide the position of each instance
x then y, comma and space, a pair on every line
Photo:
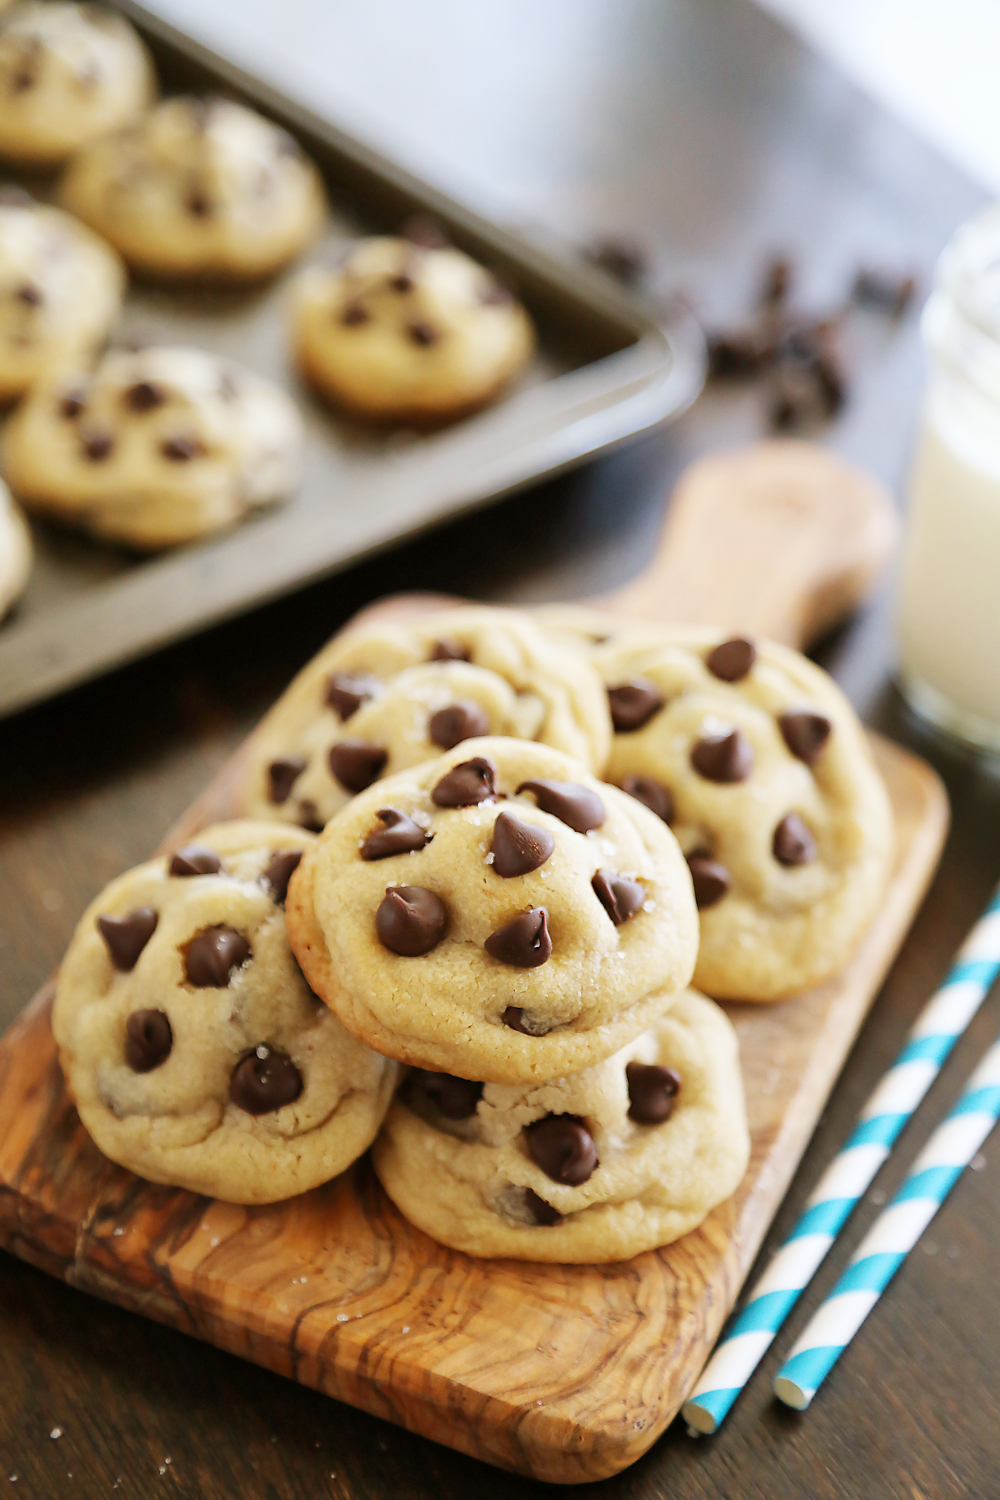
607, 369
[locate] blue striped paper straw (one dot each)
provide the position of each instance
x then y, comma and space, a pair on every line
893, 1235
935, 1031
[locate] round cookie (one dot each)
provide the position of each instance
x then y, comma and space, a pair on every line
496, 913
15, 551
194, 1049
758, 763
154, 448
385, 697
625, 1156
68, 73
202, 187
60, 290
402, 332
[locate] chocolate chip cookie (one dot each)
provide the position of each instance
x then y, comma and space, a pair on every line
627, 1155
382, 698
406, 333
194, 1049
496, 913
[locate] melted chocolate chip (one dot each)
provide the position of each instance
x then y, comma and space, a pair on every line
125, 937
652, 794
354, 315
97, 445
793, 844
517, 847
620, 896
449, 650
462, 720
466, 784
262, 1084
71, 403
563, 1147
180, 449
144, 396
422, 334
410, 920
805, 733
652, 1092
22, 81
195, 859
282, 774
148, 1040
309, 816
212, 956
346, 691
454, 1098
514, 1017
278, 872
29, 294
543, 1213
723, 757
198, 204
576, 806
401, 283
523, 943
711, 880
357, 763
398, 835
732, 660
633, 704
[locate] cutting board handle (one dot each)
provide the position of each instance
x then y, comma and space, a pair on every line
782, 538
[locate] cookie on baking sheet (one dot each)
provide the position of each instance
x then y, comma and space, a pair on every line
195, 1051
402, 332
496, 913
60, 290
202, 187
629, 1154
15, 551
756, 760
385, 697
68, 73
154, 447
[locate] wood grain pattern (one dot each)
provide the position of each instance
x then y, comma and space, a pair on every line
564, 1373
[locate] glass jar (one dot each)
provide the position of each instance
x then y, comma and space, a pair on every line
949, 597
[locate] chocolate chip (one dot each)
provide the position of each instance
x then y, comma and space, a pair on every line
410, 920
309, 816
144, 396
282, 774
624, 259
422, 230
653, 794
72, 402
461, 720
449, 650
22, 81
278, 872
518, 848
125, 937
454, 1098
543, 1213
514, 1016
422, 334
346, 691
710, 879
97, 445
723, 757
563, 1147
148, 1040
198, 204
195, 859
576, 806
29, 294
261, 1084
805, 733
793, 844
633, 704
652, 1092
732, 660
180, 449
357, 763
741, 353
620, 896
213, 955
401, 283
885, 290
353, 315
399, 835
468, 783
523, 943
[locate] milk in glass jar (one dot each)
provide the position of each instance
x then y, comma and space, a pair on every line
949, 600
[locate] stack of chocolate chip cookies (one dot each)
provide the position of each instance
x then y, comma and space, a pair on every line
532, 834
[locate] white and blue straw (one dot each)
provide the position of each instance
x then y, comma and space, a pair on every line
893, 1235
941, 1022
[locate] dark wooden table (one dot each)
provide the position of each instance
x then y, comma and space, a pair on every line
712, 135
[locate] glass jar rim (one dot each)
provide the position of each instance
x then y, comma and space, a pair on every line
968, 272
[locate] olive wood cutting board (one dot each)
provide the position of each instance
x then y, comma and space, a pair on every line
566, 1373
